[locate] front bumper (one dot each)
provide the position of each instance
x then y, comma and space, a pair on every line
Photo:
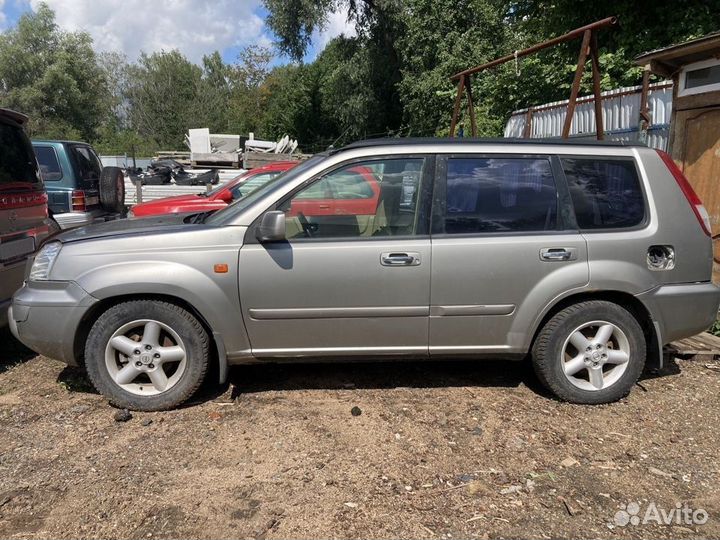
683, 310
70, 220
45, 316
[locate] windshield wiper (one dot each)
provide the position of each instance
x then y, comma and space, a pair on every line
201, 217
198, 218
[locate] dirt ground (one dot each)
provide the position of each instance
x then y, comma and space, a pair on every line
439, 450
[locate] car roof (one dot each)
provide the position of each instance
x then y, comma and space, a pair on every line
277, 165
51, 141
447, 141
14, 116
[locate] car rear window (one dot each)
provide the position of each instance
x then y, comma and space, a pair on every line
17, 160
48, 161
606, 193
89, 166
488, 195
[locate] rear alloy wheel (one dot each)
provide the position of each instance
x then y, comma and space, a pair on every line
595, 355
591, 352
147, 355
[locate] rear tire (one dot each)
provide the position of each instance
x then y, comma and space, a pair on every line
591, 352
112, 189
147, 355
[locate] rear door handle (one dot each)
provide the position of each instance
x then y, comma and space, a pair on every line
399, 259
558, 254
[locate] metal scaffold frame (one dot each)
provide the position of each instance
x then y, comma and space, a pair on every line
588, 47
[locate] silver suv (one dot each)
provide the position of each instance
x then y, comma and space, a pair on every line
587, 257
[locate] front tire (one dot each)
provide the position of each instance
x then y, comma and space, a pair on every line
591, 352
147, 355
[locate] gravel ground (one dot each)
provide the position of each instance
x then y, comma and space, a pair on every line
436, 450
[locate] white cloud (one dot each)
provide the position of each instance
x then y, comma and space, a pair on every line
3, 17
195, 27
337, 24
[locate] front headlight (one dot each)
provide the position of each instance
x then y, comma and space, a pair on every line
40, 269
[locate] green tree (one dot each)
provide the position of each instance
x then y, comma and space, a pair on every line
443, 37
358, 77
162, 96
54, 77
246, 108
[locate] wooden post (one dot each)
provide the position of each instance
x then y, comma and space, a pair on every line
471, 108
576, 83
644, 110
456, 110
138, 192
595, 60
644, 122
528, 123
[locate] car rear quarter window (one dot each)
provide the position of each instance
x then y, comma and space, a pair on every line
49, 165
495, 195
606, 193
17, 160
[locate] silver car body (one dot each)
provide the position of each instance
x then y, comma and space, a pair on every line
474, 295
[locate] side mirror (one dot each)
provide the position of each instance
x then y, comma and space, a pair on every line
272, 227
226, 196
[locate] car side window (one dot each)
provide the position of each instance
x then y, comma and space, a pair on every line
358, 200
48, 161
606, 193
496, 195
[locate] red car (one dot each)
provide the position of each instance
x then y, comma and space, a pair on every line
216, 199
355, 193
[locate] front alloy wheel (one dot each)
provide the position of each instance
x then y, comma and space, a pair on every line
147, 355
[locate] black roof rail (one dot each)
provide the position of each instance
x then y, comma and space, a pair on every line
368, 143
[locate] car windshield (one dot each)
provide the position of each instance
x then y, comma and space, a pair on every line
229, 213
219, 188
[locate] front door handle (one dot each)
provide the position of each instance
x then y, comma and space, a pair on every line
399, 259
558, 254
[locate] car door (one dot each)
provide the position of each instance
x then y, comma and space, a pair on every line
504, 245
351, 282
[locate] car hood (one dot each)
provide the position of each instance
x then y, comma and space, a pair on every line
165, 224
171, 200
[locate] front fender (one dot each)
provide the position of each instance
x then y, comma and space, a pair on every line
214, 296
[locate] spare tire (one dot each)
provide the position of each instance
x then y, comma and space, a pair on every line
112, 189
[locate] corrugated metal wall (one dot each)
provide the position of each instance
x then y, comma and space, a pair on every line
621, 116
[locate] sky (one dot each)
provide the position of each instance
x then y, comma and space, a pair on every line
195, 27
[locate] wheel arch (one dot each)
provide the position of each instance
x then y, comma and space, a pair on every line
621, 298
217, 352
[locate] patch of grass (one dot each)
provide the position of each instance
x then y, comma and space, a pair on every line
73, 379
715, 328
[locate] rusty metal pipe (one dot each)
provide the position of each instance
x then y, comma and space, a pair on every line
610, 21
